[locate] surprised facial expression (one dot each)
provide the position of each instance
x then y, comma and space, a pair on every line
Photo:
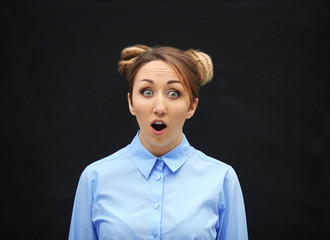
161, 106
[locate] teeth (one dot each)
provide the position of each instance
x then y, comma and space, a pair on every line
158, 122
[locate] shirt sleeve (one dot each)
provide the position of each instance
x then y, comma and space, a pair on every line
81, 227
231, 210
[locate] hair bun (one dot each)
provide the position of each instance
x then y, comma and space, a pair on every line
204, 65
129, 55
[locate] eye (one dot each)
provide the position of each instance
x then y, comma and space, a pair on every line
173, 94
146, 92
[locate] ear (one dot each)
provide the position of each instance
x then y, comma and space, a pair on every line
130, 104
192, 108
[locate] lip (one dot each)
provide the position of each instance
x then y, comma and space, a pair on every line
158, 120
154, 131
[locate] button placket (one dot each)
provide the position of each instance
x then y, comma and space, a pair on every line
157, 185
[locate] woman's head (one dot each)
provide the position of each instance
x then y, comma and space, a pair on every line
163, 91
194, 68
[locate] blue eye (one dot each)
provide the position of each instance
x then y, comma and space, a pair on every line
173, 94
146, 92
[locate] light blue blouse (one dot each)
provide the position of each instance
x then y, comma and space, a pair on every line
182, 195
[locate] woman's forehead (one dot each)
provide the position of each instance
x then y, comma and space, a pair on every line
157, 68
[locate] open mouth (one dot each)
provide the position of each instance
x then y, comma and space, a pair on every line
158, 125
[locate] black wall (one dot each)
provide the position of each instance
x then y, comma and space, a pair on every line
266, 112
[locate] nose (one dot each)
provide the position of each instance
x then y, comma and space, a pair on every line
160, 107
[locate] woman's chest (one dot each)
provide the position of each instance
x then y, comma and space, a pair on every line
156, 210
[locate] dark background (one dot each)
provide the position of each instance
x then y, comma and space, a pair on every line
266, 112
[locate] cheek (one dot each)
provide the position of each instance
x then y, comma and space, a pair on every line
140, 112
139, 102
180, 114
141, 109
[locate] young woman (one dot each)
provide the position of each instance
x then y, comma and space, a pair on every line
160, 187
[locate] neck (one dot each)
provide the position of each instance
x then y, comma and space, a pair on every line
160, 148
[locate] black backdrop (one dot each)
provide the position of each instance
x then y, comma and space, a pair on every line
266, 112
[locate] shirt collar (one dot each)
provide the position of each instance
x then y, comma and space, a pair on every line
145, 160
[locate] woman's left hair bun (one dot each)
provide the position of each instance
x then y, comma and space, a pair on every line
129, 55
204, 65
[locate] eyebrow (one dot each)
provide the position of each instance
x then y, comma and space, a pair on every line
152, 81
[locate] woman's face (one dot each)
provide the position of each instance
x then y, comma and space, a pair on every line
161, 106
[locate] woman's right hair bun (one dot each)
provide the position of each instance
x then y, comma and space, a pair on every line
204, 65
129, 55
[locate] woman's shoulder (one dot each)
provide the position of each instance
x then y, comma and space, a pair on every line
206, 159
118, 156
215, 168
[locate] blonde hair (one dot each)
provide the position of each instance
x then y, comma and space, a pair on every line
193, 67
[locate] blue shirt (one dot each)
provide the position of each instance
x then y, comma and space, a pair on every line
182, 195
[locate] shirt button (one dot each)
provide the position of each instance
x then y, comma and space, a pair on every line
158, 177
156, 205
154, 234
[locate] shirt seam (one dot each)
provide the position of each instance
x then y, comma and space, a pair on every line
212, 160
108, 158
